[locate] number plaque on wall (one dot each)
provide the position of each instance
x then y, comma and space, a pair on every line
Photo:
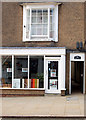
77, 57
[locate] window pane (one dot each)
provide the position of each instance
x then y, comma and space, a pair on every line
51, 11
34, 13
27, 23
6, 80
36, 72
28, 20
51, 27
45, 16
51, 19
51, 23
45, 12
39, 13
27, 30
33, 19
45, 31
33, 30
28, 12
39, 29
45, 19
53, 75
20, 72
45, 26
51, 34
39, 19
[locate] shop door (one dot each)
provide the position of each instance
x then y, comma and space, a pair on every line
52, 76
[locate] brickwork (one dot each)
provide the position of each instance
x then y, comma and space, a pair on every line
71, 25
85, 22
12, 24
85, 73
72, 17
19, 92
67, 72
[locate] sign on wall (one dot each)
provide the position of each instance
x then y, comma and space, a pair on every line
77, 56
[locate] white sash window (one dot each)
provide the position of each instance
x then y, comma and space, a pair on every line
40, 23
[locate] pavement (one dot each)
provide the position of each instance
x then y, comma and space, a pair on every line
48, 105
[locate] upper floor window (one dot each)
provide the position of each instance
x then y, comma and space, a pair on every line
40, 23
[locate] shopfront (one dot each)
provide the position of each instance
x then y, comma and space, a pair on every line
33, 68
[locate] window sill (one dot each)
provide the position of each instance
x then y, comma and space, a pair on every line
37, 39
22, 88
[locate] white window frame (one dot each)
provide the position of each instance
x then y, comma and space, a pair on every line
35, 52
37, 38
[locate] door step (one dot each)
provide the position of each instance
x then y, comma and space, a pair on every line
51, 94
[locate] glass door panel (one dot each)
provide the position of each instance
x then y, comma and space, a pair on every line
52, 75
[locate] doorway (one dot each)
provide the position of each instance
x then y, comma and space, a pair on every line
77, 76
52, 76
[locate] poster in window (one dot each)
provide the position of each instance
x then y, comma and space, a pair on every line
9, 69
53, 84
24, 69
16, 83
53, 73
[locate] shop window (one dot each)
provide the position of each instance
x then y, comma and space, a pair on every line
17, 76
20, 72
36, 75
6, 66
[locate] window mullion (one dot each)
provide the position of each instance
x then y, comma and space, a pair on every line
0, 68
48, 23
28, 70
42, 21
12, 69
30, 24
36, 22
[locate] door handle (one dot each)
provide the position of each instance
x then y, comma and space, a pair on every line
81, 75
46, 72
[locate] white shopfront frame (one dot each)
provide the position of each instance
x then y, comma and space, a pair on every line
72, 55
52, 59
45, 51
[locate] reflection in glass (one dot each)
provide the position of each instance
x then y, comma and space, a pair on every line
20, 72
53, 75
34, 13
45, 31
51, 11
6, 80
33, 19
27, 23
45, 19
28, 12
45, 12
39, 13
38, 20
36, 72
